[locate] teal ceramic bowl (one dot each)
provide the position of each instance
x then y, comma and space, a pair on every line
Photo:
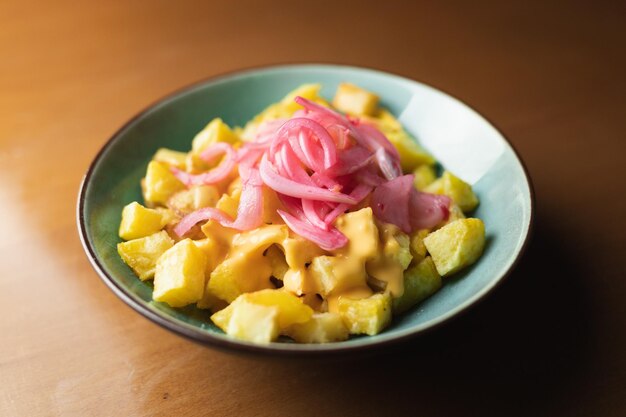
461, 139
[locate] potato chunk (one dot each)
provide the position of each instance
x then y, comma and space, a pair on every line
366, 315
354, 100
333, 274
215, 131
229, 203
386, 271
291, 309
271, 205
194, 198
455, 214
172, 158
249, 321
233, 276
139, 221
412, 155
417, 247
424, 175
458, 190
277, 261
179, 279
321, 328
160, 184
420, 282
142, 254
243, 320
456, 245
362, 233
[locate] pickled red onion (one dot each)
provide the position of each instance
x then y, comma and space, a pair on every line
320, 163
206, 213
326, 239
292, 188
400, 203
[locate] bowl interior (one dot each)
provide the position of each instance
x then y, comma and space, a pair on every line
463, 141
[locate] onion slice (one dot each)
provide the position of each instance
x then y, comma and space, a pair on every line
398, 202
390, 202
207, 213
326, 239
295, 189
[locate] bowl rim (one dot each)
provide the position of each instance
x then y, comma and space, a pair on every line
290, 349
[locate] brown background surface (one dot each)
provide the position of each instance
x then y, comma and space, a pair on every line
550, 341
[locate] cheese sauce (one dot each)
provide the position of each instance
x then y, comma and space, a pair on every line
376, 253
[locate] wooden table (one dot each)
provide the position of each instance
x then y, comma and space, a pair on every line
550, 341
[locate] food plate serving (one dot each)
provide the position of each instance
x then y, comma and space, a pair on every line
458, 137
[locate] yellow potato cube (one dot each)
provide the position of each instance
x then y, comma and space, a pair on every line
308, 91
321, 328
234, 276
181, 202
412, 155
288, 310
160, 184
333, 274
168, 215
179, 279
277, 260
196, 165
235, 184
215, 131
291, 309
139, 221
172, 158
271, 204
249, 321
424, 176
458, 190
362, 233
366, 315
142, 254
417, 247
385, 272
420, 282
455, 213
456, 245
229, 203
222, 317
197, 197
395, 245
205, 196
354, 100
435, 187
299, 282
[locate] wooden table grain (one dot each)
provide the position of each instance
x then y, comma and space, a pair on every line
550, 341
